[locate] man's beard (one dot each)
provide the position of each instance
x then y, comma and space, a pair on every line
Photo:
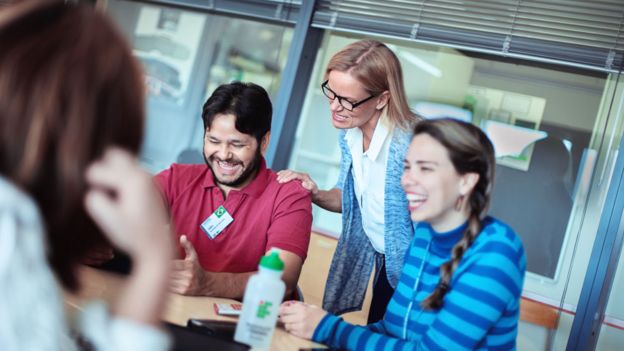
249, 172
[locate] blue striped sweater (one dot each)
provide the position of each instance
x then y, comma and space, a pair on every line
480, 311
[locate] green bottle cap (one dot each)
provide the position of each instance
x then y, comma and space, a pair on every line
272, 261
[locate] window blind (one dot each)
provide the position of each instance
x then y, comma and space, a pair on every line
583, 33
277, 11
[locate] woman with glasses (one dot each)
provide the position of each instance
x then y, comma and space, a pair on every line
364, 87
462, 280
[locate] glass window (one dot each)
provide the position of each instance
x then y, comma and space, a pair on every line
553, 131
186, 55
612, 333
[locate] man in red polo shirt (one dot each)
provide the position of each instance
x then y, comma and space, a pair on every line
229, 212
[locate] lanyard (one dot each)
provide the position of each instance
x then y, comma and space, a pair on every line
414, 291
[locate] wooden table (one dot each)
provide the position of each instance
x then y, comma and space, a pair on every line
106, 286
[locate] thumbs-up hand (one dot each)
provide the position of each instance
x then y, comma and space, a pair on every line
189, 250
188, 277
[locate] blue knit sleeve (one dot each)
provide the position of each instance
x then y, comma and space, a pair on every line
334, 332
378, 327
345, 160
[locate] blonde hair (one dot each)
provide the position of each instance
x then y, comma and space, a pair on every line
374, 65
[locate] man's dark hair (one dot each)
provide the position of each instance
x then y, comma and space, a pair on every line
248, 102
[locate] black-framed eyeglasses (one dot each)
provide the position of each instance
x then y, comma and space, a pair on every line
348, 105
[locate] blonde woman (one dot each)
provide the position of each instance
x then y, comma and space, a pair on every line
364, 87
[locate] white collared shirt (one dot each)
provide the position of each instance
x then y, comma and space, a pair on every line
369, 178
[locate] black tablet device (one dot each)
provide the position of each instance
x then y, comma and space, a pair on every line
219, 329
186, 339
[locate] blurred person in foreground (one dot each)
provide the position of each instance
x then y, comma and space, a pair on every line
71, 123
462, 280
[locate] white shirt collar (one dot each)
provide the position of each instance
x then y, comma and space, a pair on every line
354, 136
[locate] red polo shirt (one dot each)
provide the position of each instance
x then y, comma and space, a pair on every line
266, 214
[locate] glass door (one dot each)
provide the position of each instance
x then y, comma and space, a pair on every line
593, 184
611, 336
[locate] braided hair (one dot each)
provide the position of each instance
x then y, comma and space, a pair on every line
470, 151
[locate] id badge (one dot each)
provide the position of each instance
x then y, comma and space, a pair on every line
217, 221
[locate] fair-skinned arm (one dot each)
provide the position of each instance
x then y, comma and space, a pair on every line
330, 200
125, 204
189, 278
300, 319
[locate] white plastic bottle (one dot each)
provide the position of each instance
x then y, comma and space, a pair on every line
263, 295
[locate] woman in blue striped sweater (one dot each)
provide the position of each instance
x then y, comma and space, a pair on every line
461, 283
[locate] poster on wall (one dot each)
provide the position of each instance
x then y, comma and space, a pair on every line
511, 119
166, 42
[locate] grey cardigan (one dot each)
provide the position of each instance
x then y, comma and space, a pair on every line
354, 258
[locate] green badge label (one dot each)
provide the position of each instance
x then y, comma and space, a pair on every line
220, 211
263, 309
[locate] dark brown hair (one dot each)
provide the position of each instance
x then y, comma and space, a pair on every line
248, 102
470, 151
69, 88
374, 65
